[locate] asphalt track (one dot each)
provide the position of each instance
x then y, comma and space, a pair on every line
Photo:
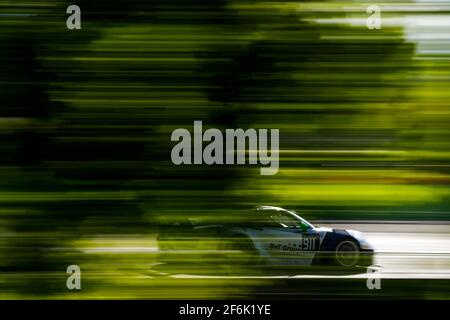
408, 250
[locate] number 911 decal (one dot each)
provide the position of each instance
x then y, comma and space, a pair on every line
305, 244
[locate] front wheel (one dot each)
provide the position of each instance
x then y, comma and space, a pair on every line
347, 254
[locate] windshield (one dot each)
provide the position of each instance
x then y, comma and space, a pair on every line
302, 221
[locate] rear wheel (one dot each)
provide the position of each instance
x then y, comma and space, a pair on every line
238, 250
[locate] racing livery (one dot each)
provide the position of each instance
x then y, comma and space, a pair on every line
267, 235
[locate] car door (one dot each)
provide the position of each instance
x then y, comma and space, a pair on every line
286, 240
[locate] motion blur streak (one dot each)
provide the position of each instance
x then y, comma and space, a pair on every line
86, 117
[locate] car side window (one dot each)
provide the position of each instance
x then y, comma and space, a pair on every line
275, 219
262, 221
284, 220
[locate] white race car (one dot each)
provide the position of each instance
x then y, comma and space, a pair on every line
264, 236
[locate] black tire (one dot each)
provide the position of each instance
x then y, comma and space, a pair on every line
347, 254
238, 250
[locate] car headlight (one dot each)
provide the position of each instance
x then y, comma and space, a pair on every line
365, 245
361, 238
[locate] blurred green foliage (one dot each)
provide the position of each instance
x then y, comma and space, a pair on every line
86, 118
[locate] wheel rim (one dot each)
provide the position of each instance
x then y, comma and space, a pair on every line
347, 254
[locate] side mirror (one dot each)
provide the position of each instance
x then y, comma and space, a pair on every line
304, 227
